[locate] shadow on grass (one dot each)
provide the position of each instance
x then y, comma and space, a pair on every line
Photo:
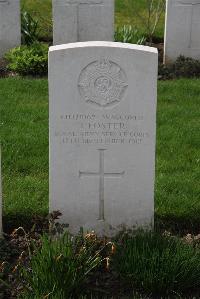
27, 221
175, 224
179, 225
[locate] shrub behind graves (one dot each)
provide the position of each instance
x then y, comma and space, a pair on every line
29, 60
60, 267
183, 67
157, 264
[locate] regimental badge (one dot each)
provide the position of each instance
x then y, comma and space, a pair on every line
102, 83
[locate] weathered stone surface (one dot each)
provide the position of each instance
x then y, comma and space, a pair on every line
102, 134
10, 26
82, 20
182, 29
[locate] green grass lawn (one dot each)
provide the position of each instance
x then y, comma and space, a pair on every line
132, 12
24, 134
24, 138
178, 153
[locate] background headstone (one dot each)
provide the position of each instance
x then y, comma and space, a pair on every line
102, 134
10, 25
82, 20
182, 29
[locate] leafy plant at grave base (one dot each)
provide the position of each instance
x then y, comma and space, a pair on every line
129, 34
29, 60
184, 67
60, 268
29, 28
7, 254
4, 287
6, 251
157, 264
150, 20
134, 296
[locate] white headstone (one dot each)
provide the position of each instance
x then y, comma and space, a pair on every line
10, 25
102, 134
182, 29
82, 20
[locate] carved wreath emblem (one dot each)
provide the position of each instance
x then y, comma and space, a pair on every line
102, 83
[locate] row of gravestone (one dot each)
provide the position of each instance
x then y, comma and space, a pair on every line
102, 120
102, 99
87, 20
73, 20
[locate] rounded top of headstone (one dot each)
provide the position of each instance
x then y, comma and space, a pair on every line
103, 44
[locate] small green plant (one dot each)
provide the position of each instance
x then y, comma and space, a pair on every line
29, 60
153, 12
29, 28
129, 34
60, 268
157, 264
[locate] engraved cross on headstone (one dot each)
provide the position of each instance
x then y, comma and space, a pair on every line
102, 175
192, 6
